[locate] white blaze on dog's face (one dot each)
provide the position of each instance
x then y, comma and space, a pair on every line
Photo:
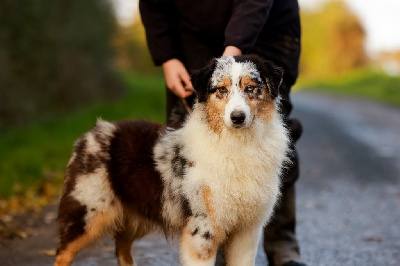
238, 92
236, 82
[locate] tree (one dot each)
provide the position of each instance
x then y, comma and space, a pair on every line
54, 56
333, 41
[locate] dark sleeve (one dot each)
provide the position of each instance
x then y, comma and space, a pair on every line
247, 20
159, 20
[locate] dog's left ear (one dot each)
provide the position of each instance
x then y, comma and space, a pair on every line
201, 80
272, 74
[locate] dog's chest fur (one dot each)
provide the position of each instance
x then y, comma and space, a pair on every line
235, 176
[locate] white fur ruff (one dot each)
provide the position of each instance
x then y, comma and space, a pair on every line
241, 167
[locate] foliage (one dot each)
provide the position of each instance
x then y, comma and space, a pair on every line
132, 53
37, 155
334, 60
54, 56
332, 41
361, 83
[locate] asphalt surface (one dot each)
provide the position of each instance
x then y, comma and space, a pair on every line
349, 191
348, 196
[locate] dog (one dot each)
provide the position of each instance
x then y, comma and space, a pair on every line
213, 182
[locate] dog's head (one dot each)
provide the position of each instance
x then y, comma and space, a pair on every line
238, 89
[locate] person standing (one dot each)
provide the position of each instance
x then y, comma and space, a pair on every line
185, 35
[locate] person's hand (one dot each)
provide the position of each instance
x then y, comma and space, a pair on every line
175, 73
232, 51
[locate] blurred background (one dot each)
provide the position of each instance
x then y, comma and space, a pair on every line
65, 63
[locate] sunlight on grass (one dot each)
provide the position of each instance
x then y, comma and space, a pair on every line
34, 156
38, 153
363, 83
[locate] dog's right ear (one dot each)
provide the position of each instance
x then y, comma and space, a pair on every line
272, 74
201, 80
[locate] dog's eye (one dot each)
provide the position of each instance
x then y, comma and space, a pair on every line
222, 90
249, 89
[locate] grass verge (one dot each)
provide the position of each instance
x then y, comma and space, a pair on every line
362, 83
33, 159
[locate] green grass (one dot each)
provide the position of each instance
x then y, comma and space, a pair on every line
38, 153
363, 83
31, 156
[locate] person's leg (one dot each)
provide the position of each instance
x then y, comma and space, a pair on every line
280, 43
280, 243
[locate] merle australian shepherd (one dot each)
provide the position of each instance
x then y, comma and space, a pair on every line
214, 182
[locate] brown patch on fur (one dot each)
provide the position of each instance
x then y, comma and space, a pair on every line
133, 177
247, 81
266, 111
215, 111
97, 226
225, 83
259, 101
207, 195
71, 213
134, 227
134, 181
123, 246
71, 220
215, 106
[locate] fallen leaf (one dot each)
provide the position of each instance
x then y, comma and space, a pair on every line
48, 252
7, 218
22, 234
372, 239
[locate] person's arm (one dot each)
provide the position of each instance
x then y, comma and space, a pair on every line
175, 73
159, 20
247, 20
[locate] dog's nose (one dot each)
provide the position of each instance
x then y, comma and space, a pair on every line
238, 117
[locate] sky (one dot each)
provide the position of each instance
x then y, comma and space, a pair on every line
380, 18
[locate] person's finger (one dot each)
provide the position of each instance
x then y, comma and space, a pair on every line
232, 51
188, 87
186, 79
178, 88
182, 92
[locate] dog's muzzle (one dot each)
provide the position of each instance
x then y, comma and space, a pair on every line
237, 118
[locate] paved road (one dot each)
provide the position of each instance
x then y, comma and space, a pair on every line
349, 192
348, 195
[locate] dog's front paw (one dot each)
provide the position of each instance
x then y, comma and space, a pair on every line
198, 240
201, 235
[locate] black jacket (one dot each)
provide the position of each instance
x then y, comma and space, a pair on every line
266, 27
